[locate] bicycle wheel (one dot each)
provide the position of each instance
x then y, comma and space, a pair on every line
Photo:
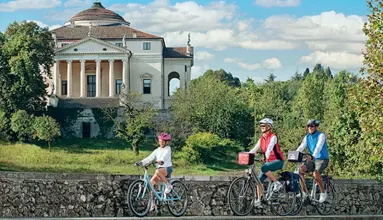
327, 206
178, 198
139, 198
282, 202
242, 193
298, 201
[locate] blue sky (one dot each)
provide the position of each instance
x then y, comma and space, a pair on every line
249, 38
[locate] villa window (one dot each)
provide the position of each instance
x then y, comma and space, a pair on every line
64, 87
147, 46
147, 85
118, 86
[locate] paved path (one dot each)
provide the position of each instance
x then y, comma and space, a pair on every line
333, 217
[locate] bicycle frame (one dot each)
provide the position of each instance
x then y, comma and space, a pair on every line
254, 175
159, 195
314, 184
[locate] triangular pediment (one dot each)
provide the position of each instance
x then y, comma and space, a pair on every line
90, 45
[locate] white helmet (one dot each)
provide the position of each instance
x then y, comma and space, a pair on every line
267, 121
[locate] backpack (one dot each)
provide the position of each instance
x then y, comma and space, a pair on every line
291, 179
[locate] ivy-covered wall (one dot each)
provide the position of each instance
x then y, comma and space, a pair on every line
71, 121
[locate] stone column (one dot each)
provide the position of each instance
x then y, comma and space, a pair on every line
98, 78
56, 79
82, 79
182, 80
112, 84
69, 78
125, 73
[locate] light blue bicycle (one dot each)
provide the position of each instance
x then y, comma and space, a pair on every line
141, 193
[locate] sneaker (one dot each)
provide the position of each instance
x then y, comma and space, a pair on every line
153, 206
168, 188
257, 203
277, 186
322, 197
304, 195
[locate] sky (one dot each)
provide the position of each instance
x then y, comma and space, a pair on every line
248, 38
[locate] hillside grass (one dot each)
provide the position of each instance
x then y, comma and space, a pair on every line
110, 156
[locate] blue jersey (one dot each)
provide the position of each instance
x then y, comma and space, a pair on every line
312, 140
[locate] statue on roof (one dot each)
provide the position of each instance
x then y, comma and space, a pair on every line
90, 29
189, 39
124, 40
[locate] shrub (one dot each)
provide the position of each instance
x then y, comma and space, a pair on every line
22, 125
208, 148
4, 126
46, 129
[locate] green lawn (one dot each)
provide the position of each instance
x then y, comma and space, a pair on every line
94, 156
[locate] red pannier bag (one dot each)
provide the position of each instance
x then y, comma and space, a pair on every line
245, 158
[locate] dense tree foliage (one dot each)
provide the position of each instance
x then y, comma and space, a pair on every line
26, 51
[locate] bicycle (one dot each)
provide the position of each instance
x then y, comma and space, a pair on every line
239, 187
324, 208
141, 193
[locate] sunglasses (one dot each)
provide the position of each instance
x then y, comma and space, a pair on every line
311, 126
263, 126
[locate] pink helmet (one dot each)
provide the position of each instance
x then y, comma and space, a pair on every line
164, 136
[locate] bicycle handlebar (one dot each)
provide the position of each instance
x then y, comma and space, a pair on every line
139, 164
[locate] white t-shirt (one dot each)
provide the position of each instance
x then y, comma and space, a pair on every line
163, 154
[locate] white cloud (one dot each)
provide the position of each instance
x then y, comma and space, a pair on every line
277, 3
77, 3
221, 39
41, 24
197, 71
337, 60
326, 26
204, 55
161, 16
64, 15
272, 64
242, 64
15, 5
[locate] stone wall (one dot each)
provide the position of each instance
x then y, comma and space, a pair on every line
75, 195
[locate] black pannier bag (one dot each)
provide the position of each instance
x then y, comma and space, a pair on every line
291, 179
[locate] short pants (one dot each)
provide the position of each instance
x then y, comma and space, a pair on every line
318, 165
270, 166
169, 170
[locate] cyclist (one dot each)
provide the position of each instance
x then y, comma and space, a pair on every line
317, 147
268, 143
164, 163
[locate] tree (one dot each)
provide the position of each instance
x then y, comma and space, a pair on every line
341, 124
22, 125
223, 76
368, 94
210, 105
270, 78
26, 50
4, 126
135, 118
306, 73
327, 72
46, 129
309, 102
297, 77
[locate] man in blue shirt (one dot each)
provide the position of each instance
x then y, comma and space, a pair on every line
317, 147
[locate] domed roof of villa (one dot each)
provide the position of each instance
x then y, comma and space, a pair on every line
98, 14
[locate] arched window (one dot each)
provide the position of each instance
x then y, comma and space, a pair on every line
173, 82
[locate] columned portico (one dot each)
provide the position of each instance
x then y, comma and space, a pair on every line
98, 78
82, 79
56, 79
125, 74
112, 85
69, 78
